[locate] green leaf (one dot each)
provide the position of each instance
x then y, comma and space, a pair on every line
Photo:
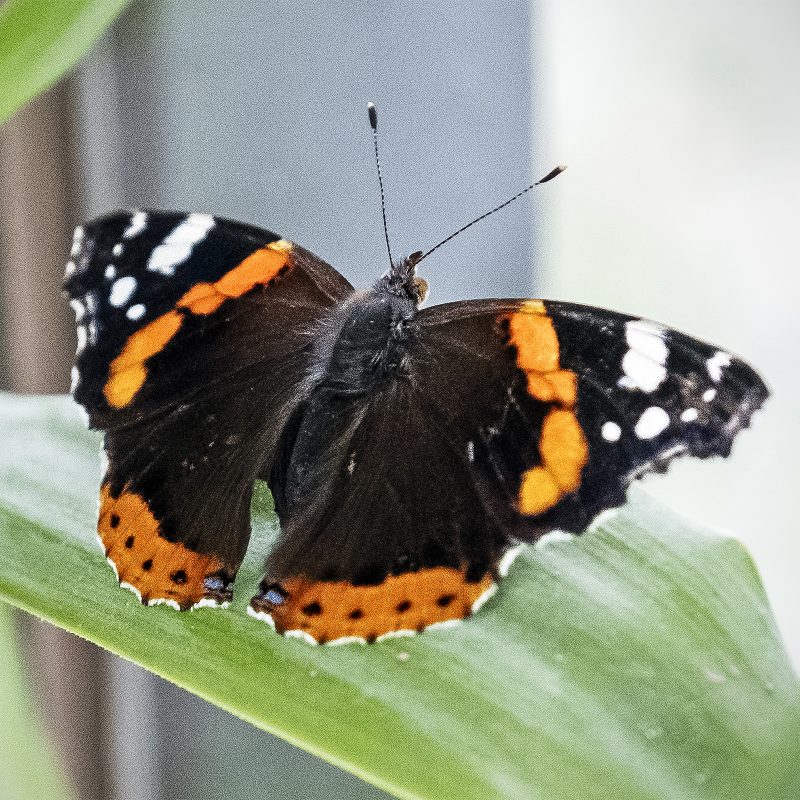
28, 768
41, 39
640, 661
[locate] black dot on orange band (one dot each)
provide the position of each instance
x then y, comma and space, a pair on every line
129, 542
179, 576
356, 613
114, 520
445, 600
147, 565
403, 606
312, 609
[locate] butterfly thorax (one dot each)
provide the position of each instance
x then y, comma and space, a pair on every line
372, 344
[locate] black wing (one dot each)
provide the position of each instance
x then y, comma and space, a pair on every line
562, 406
193, 335
504, 420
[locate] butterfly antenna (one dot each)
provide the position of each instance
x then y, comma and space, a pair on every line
550, 175
373, 123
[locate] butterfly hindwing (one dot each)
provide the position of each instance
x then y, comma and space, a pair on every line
381, 528
193, 339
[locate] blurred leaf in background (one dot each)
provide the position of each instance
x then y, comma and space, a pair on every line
41, 39
639, 662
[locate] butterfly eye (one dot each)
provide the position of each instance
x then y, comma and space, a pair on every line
419, 289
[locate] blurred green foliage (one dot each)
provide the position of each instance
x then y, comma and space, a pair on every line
41, 39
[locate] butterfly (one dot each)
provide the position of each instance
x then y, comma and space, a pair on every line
409, 450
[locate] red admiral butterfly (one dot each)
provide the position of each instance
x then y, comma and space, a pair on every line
408, 450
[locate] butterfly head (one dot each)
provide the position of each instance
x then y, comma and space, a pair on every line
402, 279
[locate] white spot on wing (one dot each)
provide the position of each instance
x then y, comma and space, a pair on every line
643, 373
77, 242
654, 420
611, 431
82, 337
403, 632
111, 272
484, 598
345, 640
121, 291
130, 587
177, 247
304, 635
135, 312
75, 380
689, 415
716, 363
709, 395
164, 601
509, 557
112, 565
69, 268
471, 451
644, 362
90, 298
648, 338
262, 615
136, 225
445, 623
79, 308
554, 537
602, 518
117, 249
210, 602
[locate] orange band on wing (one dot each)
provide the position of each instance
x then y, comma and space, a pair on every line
157, 569
564, 452
326, 611
562, 445
257, 269
128, 372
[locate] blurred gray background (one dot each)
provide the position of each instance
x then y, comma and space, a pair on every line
680, 124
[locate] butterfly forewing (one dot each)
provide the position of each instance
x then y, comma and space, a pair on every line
193, 338
562, 405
